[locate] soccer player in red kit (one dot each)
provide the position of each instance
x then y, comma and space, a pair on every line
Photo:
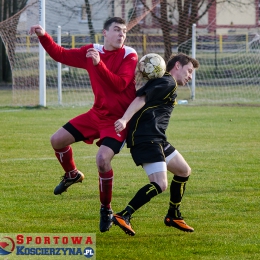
111, 69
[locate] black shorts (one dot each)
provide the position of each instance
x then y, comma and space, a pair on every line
151, 152
113, 144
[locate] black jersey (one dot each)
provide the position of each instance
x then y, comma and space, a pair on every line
151, 121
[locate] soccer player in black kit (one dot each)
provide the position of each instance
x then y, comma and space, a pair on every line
150, 114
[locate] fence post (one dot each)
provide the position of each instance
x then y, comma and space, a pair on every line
246, 42
144, 44
220, 43
59, 68
96, 38
72, 41
28, 43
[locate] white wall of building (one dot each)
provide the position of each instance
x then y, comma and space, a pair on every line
67, 14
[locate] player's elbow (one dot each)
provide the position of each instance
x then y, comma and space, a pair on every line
122, 86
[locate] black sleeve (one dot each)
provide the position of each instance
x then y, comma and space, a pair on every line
157, 89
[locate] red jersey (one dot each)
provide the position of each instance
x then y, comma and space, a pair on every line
112, 80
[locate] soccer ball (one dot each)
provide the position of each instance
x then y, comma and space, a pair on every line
152, 66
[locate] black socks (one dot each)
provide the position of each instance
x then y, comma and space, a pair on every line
177, 189
144, 195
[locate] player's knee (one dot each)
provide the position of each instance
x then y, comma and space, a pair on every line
100, 159
57, 142
103, 162
188, 171
184, 172
163, 185
54, 141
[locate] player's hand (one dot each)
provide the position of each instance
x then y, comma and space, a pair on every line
94, 54
120, 125
37, 29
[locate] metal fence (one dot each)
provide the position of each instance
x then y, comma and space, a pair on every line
148, 42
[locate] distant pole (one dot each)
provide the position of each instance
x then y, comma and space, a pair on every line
193, 56
216, 63
42, 58
59, 69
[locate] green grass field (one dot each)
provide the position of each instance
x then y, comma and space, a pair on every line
221, 202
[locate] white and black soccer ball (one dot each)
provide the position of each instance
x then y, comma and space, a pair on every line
152, 66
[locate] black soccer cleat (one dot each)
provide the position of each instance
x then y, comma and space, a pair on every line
66, 182
105, 219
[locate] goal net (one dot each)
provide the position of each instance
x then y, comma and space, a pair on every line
228, 58
228, 72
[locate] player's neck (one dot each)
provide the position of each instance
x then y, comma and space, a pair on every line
109, 47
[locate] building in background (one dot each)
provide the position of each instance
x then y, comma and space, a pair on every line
72, 15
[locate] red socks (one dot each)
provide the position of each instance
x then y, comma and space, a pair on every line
105, 188
65, 157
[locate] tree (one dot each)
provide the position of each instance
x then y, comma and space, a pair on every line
164, 24
188, 15
90, 24
189, 12
132, 15
7, 9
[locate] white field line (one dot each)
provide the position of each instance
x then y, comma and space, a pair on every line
10, 110
54, 158
94, 156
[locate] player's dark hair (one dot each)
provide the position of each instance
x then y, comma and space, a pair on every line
183, 59
109, 21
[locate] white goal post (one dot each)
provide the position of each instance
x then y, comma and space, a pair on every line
42, 58
59, 68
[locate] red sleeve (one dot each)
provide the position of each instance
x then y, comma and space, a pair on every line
120, 81
75, 57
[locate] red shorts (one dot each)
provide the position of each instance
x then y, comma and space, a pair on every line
93, 126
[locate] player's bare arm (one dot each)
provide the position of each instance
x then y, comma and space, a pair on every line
94, 55
135, 106
37, 29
